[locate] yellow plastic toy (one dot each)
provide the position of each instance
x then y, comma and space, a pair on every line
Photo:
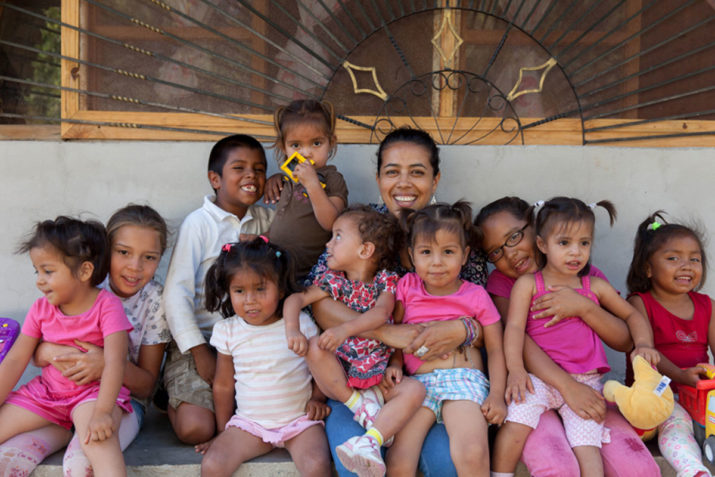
647, 403
289, 164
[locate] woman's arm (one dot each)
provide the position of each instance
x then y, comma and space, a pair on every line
224, 389
378, 315
15, 362
563, 302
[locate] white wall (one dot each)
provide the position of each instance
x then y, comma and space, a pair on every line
39, 180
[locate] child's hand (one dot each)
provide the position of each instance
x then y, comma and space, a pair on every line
393, 376
205, 361
494, 409
650, 354
203, 447
691, 376
331, 338
297, 342
517, 384
317, 410
306, 174
101, 427
272, 189
584, 401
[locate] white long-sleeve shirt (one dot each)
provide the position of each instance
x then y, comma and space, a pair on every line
201, 236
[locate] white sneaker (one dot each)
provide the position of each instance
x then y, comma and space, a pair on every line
361, 454
372, 402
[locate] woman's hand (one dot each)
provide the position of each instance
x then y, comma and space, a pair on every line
101, 427
439, 337
562, 302
585, 401
517, 384
317, 410
297, 342
81, 367
272, 191
494, 409
398, 336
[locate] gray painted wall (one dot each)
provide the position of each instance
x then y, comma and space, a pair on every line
39, 180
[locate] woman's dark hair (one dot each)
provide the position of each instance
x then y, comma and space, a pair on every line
382, 230
565, 211
266, 259
516, 206
141, 216
320, 113
78, 242
454, 218
649, 239
414, 136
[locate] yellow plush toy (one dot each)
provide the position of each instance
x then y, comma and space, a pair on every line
647, 403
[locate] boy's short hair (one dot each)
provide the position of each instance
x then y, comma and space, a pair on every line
220, 150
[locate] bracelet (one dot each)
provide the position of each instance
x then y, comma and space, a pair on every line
472, 330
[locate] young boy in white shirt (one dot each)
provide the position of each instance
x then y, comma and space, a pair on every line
237, 173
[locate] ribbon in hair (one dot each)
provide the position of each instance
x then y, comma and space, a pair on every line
226, 247
592, 205
654, 226
538, 203
264, 238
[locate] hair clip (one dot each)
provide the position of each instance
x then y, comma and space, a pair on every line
591, 205
539, 203
278, 254
226, 247
654, 226
264, 238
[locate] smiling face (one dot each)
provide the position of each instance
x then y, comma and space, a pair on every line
60, 285
517, 260
676, 267
438, 261
241, 182
135, 256
254, 298
311, 141
406, 178
567, 248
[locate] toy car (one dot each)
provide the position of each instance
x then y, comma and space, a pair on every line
699, 401
9, 329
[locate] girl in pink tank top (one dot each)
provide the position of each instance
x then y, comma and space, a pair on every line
668, 267
564, 233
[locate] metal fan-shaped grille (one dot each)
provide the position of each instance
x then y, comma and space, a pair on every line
471, 72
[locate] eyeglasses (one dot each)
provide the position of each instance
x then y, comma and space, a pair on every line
512, 241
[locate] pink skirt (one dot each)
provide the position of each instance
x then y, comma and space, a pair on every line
57, 408
276, 436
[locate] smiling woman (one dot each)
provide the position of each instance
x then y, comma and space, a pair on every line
407, 176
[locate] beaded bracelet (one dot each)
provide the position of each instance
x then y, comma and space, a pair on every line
472, 330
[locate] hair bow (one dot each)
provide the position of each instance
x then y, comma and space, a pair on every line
654, 226
264, 238
539, 203
226, 247
592, 205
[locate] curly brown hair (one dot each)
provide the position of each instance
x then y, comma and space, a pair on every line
382, 230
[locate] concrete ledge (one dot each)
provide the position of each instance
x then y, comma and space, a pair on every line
157, 452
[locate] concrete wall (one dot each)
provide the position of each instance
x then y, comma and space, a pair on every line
40, 180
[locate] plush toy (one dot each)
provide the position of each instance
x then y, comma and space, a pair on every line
647, 403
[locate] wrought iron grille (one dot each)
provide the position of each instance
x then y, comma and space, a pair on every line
471, 72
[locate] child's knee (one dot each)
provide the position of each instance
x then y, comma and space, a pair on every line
314, 351
413, 389
316, 462
191, 430
401, 463
213, 464
469, 455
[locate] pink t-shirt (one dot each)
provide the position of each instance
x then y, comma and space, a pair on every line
420, 307
499, 284
47, 322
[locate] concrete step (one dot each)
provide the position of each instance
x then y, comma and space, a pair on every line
157, 452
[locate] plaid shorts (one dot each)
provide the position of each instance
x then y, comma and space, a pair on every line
456, 384
182, 381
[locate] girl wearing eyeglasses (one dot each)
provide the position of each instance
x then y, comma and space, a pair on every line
509, 244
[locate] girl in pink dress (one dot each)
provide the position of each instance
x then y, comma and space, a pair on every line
668, 267
70, 260
564, 233
363, 244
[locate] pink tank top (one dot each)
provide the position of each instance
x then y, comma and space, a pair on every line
570, 343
